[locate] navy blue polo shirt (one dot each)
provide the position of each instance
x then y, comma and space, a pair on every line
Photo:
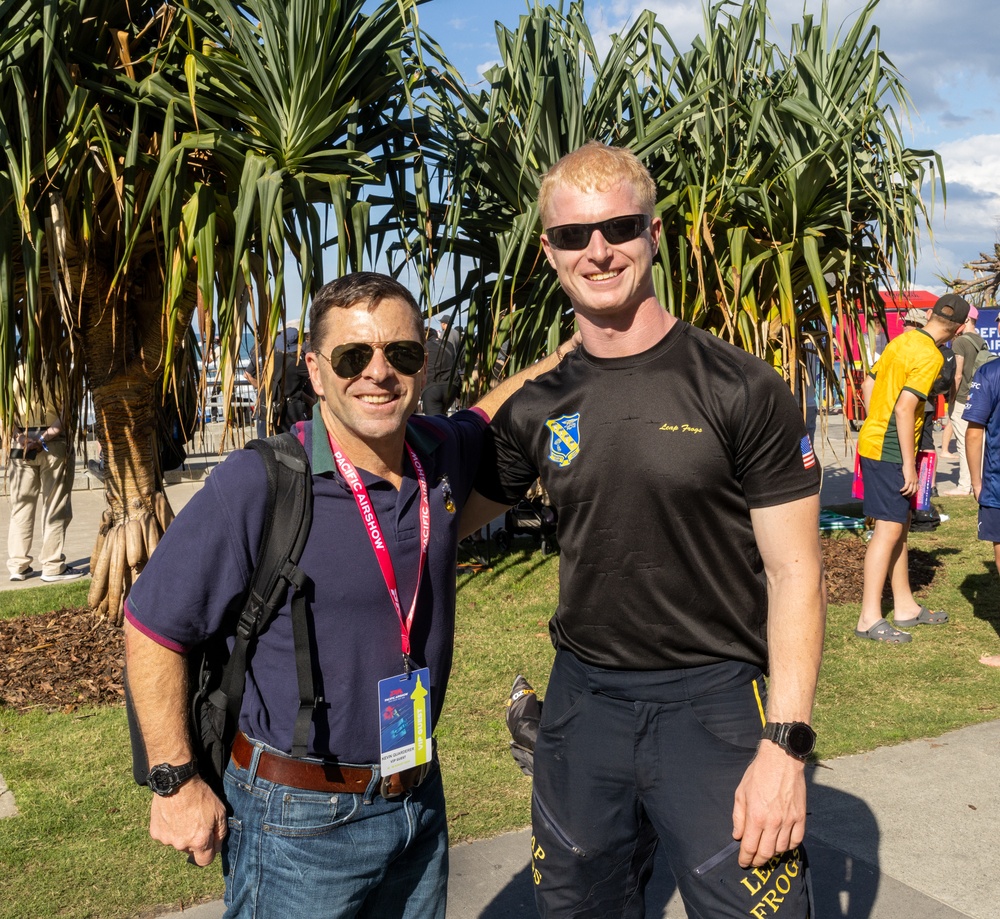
194, 581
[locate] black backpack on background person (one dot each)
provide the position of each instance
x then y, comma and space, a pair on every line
292, 393
218, 676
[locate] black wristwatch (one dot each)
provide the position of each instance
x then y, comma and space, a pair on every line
165, 779
794, 737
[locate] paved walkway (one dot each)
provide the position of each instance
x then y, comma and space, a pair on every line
904, 832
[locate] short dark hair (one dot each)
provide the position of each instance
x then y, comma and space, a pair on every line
362, 287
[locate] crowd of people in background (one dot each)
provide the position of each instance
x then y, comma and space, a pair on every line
940, 355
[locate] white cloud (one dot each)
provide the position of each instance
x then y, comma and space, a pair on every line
970, 222
974, 162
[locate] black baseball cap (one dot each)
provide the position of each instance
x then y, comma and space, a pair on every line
953, 308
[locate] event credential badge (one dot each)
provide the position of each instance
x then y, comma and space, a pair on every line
405, 720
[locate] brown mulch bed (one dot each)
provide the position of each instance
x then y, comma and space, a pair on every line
844, 558
61, 660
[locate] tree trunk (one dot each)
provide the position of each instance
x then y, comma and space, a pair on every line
124, 345
138, 511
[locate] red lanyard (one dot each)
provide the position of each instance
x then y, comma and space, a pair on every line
370, 520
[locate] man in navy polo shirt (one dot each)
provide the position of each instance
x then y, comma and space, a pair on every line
380, 559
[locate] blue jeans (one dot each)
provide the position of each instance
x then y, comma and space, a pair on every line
308, 854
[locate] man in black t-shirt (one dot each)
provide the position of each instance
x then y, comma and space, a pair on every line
687, 494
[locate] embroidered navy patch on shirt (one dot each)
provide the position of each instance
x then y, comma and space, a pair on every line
564, 441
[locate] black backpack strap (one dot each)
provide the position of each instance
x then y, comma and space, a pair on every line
287, 519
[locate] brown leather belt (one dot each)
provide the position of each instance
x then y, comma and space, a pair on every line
326, 777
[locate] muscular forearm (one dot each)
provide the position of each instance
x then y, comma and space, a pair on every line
796, 625
158, 685
769, 810
193, 819
491, 402
906, 421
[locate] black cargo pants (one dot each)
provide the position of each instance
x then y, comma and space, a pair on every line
625, 759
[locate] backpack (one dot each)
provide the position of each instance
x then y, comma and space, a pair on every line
925, 521
983, 357
216, 674
292, 393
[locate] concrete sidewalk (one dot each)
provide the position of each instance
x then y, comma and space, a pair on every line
905, 832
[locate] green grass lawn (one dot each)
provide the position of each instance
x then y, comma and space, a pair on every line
80, 847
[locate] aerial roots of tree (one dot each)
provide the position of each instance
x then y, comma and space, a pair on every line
122, 550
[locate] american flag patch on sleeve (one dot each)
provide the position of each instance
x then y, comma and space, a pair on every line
808, 457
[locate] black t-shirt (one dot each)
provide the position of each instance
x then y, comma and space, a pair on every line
653, 462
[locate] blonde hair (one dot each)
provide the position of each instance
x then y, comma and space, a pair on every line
597, 167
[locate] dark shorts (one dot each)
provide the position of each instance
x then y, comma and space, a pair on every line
989, 524
882, 484
627, 760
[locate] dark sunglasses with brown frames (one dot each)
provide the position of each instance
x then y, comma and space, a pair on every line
350, 359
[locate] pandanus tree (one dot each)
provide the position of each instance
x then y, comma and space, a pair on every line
786, 192
163, 158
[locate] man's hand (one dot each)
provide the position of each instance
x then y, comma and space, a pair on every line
769, 813
192, 820
911, 480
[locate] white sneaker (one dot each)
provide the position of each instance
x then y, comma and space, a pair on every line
67, 574
22, 575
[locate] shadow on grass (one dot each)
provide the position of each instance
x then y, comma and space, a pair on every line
924, 567
983, 594
499, 563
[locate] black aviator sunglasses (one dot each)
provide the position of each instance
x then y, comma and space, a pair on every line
350, 359
617, 230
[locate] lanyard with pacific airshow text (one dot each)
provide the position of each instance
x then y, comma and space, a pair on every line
404, 713
370, 520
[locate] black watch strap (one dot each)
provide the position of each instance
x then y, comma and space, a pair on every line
165, 779
794, 737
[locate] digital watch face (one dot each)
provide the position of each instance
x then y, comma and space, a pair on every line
801, 739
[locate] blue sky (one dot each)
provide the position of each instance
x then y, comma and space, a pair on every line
948, 52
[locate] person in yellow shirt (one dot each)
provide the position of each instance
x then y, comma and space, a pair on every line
39, 471
894, 393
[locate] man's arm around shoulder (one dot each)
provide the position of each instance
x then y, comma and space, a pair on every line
769, 813
479, 510
193, 819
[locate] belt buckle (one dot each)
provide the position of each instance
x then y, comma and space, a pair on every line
421, 772
383, 788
